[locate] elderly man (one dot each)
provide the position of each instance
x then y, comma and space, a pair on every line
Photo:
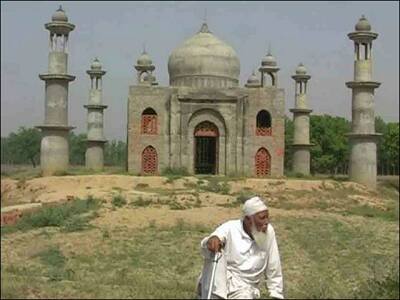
249, 250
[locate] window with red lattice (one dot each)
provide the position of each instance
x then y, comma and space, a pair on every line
263, 127
149, 121
262, 163
149, 161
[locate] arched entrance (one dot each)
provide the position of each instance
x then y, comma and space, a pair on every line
263, 163
206, 148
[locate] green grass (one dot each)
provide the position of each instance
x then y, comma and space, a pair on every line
321, 258
70, 216
173, 174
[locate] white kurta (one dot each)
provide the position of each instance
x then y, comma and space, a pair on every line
243, 263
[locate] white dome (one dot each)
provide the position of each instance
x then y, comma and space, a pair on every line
96, 65
269, 60
204, 61
59, 16
363, 24
144, 60
301, 69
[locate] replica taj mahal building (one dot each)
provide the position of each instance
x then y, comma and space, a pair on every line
204, 121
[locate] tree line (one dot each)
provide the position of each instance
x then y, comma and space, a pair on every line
331, 151
329, 155
23, 147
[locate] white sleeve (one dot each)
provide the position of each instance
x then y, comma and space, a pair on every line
273, 271
221, 232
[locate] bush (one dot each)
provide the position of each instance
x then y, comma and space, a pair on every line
217, 187
175, 171
118, 201
141, 202
385, 287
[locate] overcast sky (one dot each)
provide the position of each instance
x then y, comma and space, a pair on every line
314, 33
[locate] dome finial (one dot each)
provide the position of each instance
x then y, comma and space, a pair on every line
269, 49
204, 28
144, 49
60, 8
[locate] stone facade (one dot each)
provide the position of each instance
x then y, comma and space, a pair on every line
205, 115
233, 111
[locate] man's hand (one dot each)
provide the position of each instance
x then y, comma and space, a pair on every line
214, 244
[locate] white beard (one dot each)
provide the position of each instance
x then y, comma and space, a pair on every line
259, 237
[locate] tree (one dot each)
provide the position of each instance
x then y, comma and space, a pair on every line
391, 146
288, 143
115, 153
23, 146
380, 127
331, 151
77, 148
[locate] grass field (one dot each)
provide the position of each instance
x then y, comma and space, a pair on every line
331, 247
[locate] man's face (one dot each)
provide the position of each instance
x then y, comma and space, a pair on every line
260, 220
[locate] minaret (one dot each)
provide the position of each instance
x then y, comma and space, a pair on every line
363, 138
301, 121
95, 107
269, 66
144, 67
54, 149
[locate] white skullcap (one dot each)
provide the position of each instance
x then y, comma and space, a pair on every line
253, 206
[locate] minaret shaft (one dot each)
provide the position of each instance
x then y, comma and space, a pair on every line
301, 122
95, 119
54, 149
363, 139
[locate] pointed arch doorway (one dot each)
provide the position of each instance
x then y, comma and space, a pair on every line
206, 148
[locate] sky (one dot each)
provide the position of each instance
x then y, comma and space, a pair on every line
313, 33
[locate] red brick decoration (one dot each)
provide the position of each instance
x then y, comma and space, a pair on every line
264, 131
263, 124
280, 151
11, 217
149, 122
262, 163
149, 161
206, 129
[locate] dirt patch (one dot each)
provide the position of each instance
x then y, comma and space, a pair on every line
188, 191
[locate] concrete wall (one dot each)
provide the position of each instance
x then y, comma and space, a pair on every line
301, 124
233, 111
94, 156
363, 161
95, 124
363, 110
58, 63
301, 161
272, 100
54, 152
140, 98
56, 104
